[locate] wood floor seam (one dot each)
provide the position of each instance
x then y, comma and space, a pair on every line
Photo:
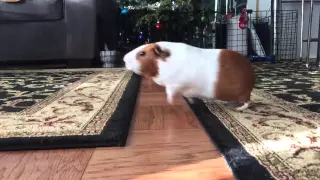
84, 170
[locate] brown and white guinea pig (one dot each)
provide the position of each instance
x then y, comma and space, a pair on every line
194, 72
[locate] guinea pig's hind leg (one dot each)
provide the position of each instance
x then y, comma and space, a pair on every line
243, 107
245, 99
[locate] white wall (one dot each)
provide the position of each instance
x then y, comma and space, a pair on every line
264, 5
315, 24
264, 8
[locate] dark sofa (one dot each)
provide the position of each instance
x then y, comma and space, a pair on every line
48, 30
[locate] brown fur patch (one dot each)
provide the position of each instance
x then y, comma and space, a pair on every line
236, 77
148, 59
161, 53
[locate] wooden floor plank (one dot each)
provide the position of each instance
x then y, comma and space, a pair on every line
42, 165
185, 161
157, 99
148, 137
166, 143
165, 117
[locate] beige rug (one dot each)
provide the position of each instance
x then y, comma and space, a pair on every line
281, 136
66, 108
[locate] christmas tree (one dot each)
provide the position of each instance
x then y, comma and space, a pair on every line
174, 20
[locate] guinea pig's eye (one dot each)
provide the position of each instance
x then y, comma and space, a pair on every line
142, 53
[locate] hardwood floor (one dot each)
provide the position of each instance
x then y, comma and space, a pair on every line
166, 142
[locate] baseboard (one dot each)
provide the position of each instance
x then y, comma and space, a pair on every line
33, 64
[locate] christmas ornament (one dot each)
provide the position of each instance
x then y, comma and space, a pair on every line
124, 10
141, 35
173, 5
158, 25
243, 19
203, 18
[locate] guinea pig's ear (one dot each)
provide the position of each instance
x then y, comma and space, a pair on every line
160, 52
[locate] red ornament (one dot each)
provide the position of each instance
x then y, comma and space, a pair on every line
243, 19
242, 25
158, 26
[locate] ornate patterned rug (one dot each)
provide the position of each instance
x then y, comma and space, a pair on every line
292, 82
69, 108
278, 137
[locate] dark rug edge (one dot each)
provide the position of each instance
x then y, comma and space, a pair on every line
114, 134
243, 165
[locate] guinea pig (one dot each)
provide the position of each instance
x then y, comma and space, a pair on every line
194, 72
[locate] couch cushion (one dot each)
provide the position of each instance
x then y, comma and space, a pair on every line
31, 10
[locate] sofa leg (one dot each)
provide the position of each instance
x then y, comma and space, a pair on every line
79, 63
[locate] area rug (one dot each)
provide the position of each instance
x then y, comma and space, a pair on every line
278, 137
67, 108
291, 81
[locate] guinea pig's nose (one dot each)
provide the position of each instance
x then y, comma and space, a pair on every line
126, 58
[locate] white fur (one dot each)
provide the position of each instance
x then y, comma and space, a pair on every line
130, 60
243, 107
189, 70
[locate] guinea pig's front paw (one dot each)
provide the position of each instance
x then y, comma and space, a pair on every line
171, 95
170, 100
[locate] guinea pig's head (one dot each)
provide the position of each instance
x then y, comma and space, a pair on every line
144, 60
